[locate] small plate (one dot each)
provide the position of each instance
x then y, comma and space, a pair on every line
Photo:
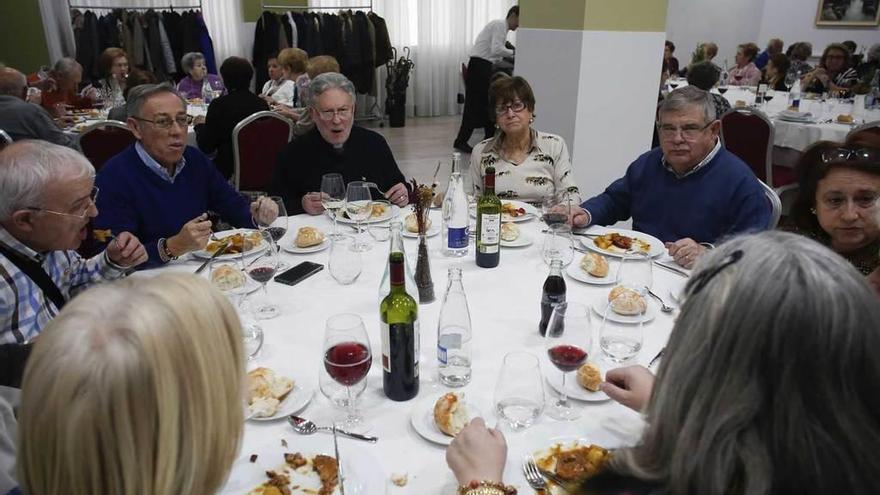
391, 213
522, 241
203, 254
292, 248
574, 271
422, 419
296, 400
531, 211
434, 230
657, 247
646, 317
572, 388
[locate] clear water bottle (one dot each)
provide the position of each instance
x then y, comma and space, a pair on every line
207, 91
794, 96
455, 214
454, 334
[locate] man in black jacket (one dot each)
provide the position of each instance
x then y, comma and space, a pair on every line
335, 145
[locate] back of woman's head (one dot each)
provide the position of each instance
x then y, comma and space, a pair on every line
769, 383
134, 388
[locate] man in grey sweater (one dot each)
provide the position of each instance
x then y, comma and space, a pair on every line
23, 120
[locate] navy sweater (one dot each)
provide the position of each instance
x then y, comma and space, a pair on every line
721, 199
134, 199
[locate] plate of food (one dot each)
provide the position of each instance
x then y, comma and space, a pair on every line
272, 396
512, 211
241, 241
512, 237
304, 465
594, 269
626, 306
439, 419
584, 386
411, 227
618, 242
572, 460
380, 212
307, 240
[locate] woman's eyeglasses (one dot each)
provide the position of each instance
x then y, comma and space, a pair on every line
516, 106
851, 155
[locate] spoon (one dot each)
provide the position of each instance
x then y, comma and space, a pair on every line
663, 306
306, 427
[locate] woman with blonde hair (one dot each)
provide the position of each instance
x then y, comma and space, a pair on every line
134, 388
293, 62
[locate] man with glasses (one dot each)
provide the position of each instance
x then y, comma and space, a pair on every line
161, 189
336, 145
23, 120
47, 197
690, 192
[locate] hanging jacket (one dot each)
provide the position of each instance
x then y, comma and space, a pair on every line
301, 28
383, 41
88, 51
174, 29
167, 51
265, 45
108, 31
154, 45
205, 42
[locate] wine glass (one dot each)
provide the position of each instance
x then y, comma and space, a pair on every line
380, 232
261, 269
636, 272
558, 244
519, 392
621, 337
345, 262
568, 340
555, 208
277, 227
358, 206
251, 337
333, 196
347, 360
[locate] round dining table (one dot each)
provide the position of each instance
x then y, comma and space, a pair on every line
504, 304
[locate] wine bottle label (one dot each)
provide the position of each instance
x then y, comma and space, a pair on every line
490, 233
457, 238
385, 337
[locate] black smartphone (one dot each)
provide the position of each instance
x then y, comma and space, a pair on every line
299, 273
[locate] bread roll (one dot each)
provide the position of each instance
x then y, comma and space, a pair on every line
589, 377
308, 236
509, 232
412, 224
266, 390
450, 413
627, 302
595, 264
227, 278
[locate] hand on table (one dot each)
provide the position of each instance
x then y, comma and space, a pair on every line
311, 203
685, 251
477, 453
630, 386
264, 210
126, 250
577, 217
398, 194
287, 111
192, 237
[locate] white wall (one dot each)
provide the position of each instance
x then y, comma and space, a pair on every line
795, 20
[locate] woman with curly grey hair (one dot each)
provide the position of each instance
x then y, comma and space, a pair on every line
768, 384
198, 81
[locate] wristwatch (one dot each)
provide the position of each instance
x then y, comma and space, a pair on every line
164, 252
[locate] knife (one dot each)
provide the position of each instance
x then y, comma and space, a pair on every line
218, 252
673, 269
338, 463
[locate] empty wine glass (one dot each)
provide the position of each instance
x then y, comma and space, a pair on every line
568, 341
261, 269
558, 244
636, 272
347, 360
621, 336
345, 262
333, 197
358, 206
251, 337
519, 392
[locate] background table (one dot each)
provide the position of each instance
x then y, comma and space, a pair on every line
505, 308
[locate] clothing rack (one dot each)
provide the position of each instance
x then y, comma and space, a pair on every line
171, 7
265, 6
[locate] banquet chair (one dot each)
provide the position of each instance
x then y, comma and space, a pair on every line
775, 206
5, 139
256, 141
748, 134
103, 140
868, 130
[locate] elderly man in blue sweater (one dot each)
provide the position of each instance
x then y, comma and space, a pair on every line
160, 189
690, 191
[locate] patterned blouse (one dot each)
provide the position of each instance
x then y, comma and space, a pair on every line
545, 170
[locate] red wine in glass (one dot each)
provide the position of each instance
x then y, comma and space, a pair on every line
722, 89
276, 232
567, 357
767, 97
262, 274
554, 218
347, 362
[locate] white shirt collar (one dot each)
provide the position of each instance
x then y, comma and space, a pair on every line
705, 161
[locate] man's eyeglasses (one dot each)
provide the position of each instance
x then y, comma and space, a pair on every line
167, 122
689, 132
516, 106
328, 115
93, 196
851, 155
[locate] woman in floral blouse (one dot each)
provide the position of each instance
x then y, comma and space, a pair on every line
529, 164
745, 73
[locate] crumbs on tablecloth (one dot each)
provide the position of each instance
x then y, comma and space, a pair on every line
399, 479
254, 458
284, 443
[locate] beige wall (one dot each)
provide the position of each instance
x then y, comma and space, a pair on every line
22, 41
594, 15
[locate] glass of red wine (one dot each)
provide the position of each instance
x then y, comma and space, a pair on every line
276, 227
568, 341
555, 208
261, 269
347, 360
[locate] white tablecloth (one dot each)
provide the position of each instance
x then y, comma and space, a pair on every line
191, 109
505, 307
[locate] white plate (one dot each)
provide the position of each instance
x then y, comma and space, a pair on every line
657, 247
646, 317
434, 230
422, 419
574, 271
220, 235
522, 241
572, 388
531, 211
292, 248
391, 213
676, 289
362, 471
296, 400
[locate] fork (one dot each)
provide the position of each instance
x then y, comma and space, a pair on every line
532, 475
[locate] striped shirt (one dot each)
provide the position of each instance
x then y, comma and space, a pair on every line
24, 309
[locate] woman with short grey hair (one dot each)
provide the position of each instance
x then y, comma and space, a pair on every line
768, 383
198, 83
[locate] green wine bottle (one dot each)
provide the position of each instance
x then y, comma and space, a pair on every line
400, 336
488, 223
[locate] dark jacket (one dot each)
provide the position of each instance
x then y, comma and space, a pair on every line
224, 114
265, 45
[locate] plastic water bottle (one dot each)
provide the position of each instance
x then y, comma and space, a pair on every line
207, 91
872, 99
454, 334
455, 214
794, 97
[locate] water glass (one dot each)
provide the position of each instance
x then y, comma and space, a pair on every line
636, 272
345, 262
359, 207
519, 393
558, 244
620, 338
251, 337
333, 197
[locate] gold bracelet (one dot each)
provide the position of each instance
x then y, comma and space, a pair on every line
485, 487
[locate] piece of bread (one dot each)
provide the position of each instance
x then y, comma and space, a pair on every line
595, 264
844, 118
589, 377
378, 209
627, 302
266, 390
450, 413
412, 224
226, 277
308, 236
509, 232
